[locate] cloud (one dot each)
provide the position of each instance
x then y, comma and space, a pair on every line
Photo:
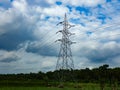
20, 5
88, 3
8, 60
41, 3
15, 27
53, 11
8, 57
104, 54
46, 50
21, 61
28, 34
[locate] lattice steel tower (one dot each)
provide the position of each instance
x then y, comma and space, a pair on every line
65, 60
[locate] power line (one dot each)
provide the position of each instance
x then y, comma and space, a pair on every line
47, 41
105, 37
105, 27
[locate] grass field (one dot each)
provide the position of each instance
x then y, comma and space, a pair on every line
67, 86
35, 88
45, 88
53, 88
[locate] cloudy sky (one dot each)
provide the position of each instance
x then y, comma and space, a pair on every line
28, 33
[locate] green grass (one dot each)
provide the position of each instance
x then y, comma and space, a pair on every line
35, 88
53, 88
68, 86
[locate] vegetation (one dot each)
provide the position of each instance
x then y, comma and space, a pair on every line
34, 88
102, 76
82, 87
46, 88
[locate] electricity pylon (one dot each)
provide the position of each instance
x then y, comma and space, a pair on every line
65, 61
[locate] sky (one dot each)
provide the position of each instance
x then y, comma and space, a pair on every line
28, 33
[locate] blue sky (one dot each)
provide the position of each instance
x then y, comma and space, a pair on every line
28, 33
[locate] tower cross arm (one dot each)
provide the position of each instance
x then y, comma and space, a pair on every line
69, 26
60, 23
59, 31
59, 40
70, 42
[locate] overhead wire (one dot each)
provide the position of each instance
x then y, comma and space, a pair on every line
113, 26
50, 38
105, 27
47, 42
53, 36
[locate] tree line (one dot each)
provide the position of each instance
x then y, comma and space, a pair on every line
102, 74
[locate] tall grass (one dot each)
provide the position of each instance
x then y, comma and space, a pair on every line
55, 88
67, 86
36, 88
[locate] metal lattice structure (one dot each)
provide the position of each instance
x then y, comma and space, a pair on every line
65, 60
